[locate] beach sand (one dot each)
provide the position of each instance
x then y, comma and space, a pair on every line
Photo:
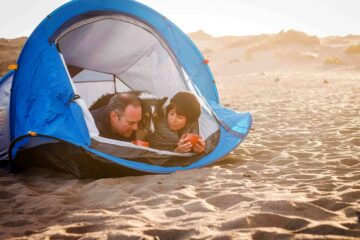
296, 176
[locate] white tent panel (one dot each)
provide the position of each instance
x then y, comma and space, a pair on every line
91, 85
120, 86
108, 45
90, 92
87, 75
155, 72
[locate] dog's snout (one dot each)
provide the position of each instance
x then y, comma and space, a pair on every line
150, 131
152, 127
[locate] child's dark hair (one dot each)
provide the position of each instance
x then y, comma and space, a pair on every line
178, 109
185, 104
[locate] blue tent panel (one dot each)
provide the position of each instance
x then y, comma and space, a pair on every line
48, 106
235, 122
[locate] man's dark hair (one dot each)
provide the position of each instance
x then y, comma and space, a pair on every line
120, 101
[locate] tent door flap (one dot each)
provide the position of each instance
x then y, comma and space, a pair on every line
5, 87
234, 122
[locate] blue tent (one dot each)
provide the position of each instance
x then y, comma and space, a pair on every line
88, 48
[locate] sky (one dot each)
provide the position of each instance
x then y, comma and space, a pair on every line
216, 17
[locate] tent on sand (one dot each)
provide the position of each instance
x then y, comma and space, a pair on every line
87, 48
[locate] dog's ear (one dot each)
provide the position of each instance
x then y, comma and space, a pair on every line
163, 100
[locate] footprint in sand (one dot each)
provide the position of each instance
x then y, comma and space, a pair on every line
327, 229
173, 234
117, 236
330, 204
175, 213
300, 209
199, 206
16, 223
6, 195
265, 220
260, 235
86, 228
63, 237
7, 182
350, 162
226, 201
155, 201
352, 196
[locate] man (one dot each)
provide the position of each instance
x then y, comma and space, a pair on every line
119, 119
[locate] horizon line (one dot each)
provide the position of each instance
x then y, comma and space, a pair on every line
233, 35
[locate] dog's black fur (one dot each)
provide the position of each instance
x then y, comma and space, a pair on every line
152, 110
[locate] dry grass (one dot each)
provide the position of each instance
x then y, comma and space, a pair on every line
355, 49
333, 61
9, 52
283, 38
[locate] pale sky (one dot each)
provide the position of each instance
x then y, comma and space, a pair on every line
216, 17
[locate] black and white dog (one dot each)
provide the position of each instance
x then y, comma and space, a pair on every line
152, 110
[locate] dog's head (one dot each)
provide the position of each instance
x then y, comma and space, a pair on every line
152, 110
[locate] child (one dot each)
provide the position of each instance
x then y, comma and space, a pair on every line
181, 117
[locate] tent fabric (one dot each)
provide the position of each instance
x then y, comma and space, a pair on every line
235, 122
66, 157
152, 156
44, 106
84, 164
5, 86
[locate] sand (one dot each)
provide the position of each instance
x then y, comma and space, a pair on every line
9, 51
296, 176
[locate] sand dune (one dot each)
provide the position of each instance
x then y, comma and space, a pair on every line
271, 52
297, 175
9, 51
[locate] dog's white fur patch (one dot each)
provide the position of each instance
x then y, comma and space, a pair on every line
152, 127
146, 95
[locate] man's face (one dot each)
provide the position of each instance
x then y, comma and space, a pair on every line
126, 124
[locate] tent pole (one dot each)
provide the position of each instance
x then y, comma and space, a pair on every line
114, 83
116, 77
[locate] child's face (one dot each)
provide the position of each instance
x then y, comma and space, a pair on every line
176, 122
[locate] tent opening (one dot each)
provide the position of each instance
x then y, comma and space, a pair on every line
116, 53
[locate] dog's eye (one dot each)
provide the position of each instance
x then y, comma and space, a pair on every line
147, 115
155, 115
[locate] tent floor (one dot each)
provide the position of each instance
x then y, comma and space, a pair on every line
71, 159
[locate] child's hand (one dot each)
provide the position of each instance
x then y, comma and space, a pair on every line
183, 145
200, 146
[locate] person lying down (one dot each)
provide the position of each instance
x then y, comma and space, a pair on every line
177, 130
